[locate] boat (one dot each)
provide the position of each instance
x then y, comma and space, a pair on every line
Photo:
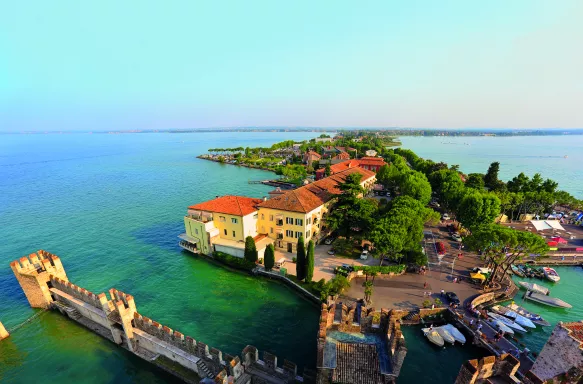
534, 287
445, 335
543, 299
551, 274
457, 335
517, 318
516, 270
500, 326
433, 336
535, 318
509, 323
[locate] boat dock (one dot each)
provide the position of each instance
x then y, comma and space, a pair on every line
274, 183
485, 339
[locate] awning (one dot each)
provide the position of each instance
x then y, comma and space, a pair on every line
542, 225
477, 276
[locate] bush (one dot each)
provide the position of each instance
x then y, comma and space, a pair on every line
426, 303
438, 303
250, 250
417, 257
269, 257
235, 262
332, 287
294, 259
385, 270
383, 201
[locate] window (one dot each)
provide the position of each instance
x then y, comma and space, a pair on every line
307, 234
270, 230
270, 217
298, 235
289, 220
308, 221
262, 216
289, 233
234, 234
196, 231
225, 232
299, 222
233, 220
222, 219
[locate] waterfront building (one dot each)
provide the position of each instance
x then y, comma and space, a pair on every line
286, 217
222, 224
561, 357
368, 163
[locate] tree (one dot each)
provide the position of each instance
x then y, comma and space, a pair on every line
301, 259
310, 262
368, 289
491, 177
475, 181
416, 185
250, 249
328, 170
478, 208
269, 257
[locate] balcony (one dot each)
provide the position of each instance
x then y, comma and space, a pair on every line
279, 222
203, 217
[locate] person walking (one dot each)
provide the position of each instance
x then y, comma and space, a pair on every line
425, 285
442, 293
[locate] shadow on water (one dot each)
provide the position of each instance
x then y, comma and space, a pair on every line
161, 235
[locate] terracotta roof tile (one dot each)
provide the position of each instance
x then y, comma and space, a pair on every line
371, 161
230, 205
311, 196
576, 329
342, 155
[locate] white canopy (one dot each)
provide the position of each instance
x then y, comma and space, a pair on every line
542, 225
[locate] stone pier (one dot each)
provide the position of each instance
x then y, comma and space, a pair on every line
3, 332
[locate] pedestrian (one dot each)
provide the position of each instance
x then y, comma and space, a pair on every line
425, 285
471, 322
442, 293
424, 293
479, 326
455, 279
429, 293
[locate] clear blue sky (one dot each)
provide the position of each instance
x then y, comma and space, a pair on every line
89, 65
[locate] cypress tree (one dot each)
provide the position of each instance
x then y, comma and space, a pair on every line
301, 259
269, 257
250, 249
310, 262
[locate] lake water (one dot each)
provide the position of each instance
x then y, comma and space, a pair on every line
528, 154
111, 206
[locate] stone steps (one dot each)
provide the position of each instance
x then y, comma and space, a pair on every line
204, 370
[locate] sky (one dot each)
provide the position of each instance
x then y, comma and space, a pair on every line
103, 65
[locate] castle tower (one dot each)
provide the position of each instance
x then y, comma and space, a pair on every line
33, 273
3, 332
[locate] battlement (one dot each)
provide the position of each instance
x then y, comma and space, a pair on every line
77, 292
251, 361
126, 299
38, 263
485, 370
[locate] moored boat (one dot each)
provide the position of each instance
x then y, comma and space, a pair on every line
535, 318
517, 318
433, 336
534, 287
509, 323
500, 326
551, 274
546, 300
457, 335
516, 270
445, 335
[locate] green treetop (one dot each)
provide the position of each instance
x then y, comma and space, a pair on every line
269, 257
250, 249
301, 259
310, 262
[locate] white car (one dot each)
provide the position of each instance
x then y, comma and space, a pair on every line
456, 236
364, 255
445, 216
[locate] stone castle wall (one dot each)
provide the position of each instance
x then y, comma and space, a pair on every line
494, 369
3, 332
45, 284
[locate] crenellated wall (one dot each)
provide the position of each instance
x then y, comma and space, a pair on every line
45, 284
3, 332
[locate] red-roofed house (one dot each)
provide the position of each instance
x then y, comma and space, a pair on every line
368, 163
298, 212
222, 224
310, 157
342, 156
371, 163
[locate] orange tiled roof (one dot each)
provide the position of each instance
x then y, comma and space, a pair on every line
371, 161
343, 166
311, 196
342, 156
230, 205
576, 329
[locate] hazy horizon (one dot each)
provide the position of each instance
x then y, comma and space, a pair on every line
180, 65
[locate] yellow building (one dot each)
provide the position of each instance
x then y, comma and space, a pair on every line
284, 218
222, 224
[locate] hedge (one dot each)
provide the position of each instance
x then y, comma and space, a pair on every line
380, 270
235, 262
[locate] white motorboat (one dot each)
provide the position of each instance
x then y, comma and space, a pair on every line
551, 274
509, 323
500, 326
445, 335
535, 318
433, 336
534, 287
457, 335
546, 300
517, 318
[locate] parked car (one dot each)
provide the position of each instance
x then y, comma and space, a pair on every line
445, 216
456, 236
364, 255
331, 251
341, 271
329, 240
347, 267
452, 298
434, 204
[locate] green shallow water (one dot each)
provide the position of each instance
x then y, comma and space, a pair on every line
111, 207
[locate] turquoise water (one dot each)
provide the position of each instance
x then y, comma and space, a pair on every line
529, 154
111, 207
